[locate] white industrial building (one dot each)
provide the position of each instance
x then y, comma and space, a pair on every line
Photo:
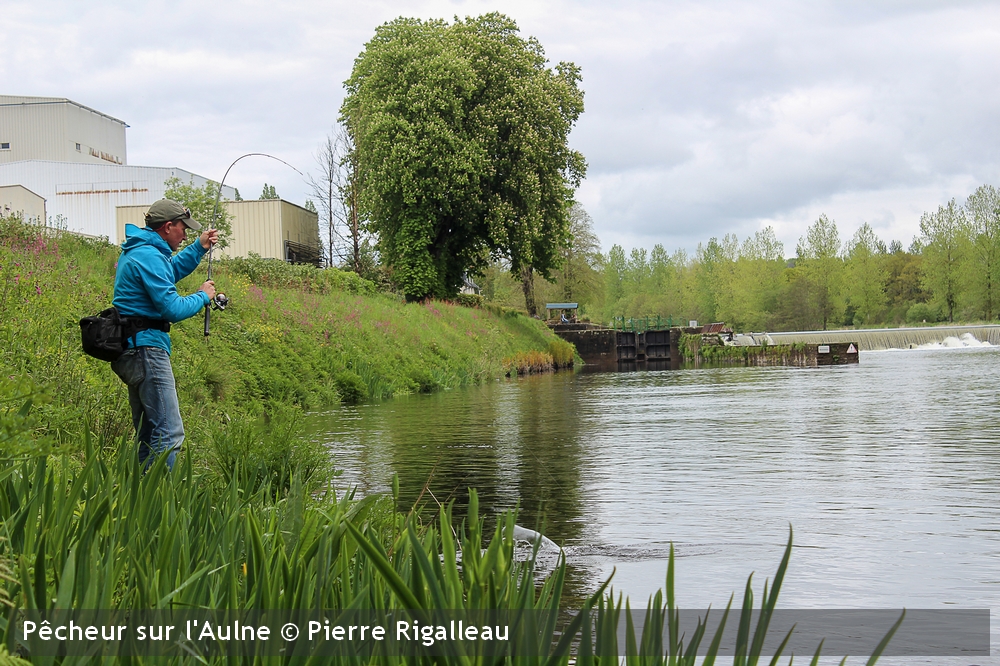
74, 158
86, 195
59, 130
66, 164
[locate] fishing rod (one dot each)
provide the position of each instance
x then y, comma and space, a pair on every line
221, 300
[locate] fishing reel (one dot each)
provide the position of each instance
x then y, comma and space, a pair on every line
220, 302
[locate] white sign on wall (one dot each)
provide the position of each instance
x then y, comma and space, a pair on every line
824, 349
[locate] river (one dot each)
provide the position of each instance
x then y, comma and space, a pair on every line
887, 471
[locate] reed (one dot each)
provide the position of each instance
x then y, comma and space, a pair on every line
107, 536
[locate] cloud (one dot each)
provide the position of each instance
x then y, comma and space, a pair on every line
702, 118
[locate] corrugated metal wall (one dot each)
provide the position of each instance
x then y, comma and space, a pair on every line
299, 225
44, 128
259, 226
256, 228
87, 194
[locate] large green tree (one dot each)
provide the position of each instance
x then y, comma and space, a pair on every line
461, 134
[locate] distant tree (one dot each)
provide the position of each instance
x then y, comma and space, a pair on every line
581, 258
310, 206
461, 134
614, 280
269, 192
238, 197
944, 243
337, 188
866, 274
201, 202
820, 265
983, 268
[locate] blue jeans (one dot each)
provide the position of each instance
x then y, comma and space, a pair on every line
152, 395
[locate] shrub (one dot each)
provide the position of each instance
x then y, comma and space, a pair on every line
528, 363
351, 387
277, 273
469, 300
923, 312
562, 353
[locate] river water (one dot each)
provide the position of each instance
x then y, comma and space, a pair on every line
888, 472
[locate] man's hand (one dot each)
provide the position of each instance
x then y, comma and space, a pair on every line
209, 288
209, 237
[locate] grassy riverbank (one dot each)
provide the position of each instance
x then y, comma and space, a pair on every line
293, 338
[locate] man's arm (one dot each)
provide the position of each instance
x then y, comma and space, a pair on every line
157, 279
185, 261
188, 259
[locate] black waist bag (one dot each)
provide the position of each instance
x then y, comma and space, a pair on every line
105, 336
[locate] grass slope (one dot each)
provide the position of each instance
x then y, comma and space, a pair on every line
294, 338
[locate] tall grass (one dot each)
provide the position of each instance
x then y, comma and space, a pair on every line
109, 537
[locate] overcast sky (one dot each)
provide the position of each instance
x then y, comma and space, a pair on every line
702, 118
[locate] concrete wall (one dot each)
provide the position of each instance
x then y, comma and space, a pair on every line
58, 129
15, 199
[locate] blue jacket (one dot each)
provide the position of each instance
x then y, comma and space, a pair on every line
144, 283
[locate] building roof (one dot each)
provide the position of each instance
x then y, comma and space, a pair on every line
20, 100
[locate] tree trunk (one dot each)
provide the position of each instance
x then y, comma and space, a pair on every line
528, 285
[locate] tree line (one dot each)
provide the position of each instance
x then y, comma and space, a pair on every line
950, 272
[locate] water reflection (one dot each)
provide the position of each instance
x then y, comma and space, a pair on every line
514, 442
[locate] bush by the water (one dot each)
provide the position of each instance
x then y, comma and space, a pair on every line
350, 387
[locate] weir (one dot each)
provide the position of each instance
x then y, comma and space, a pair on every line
895, 338
609, 349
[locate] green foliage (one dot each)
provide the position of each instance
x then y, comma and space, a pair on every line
303, 277
201, 202
563, 353
351, 387
269, 193
822, 272
944, 242
469, 300
924, 313
982, 270
461, 134
866, 276
270, 451
20, 429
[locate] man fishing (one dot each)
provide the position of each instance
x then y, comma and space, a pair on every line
146, 294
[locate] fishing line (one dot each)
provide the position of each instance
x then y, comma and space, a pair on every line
221, 301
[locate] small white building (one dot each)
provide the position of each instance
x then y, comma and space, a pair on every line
19, 200
59, 130
86, 195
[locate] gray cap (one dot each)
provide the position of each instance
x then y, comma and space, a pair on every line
168, 210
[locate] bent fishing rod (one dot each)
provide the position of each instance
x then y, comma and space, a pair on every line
221, 301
